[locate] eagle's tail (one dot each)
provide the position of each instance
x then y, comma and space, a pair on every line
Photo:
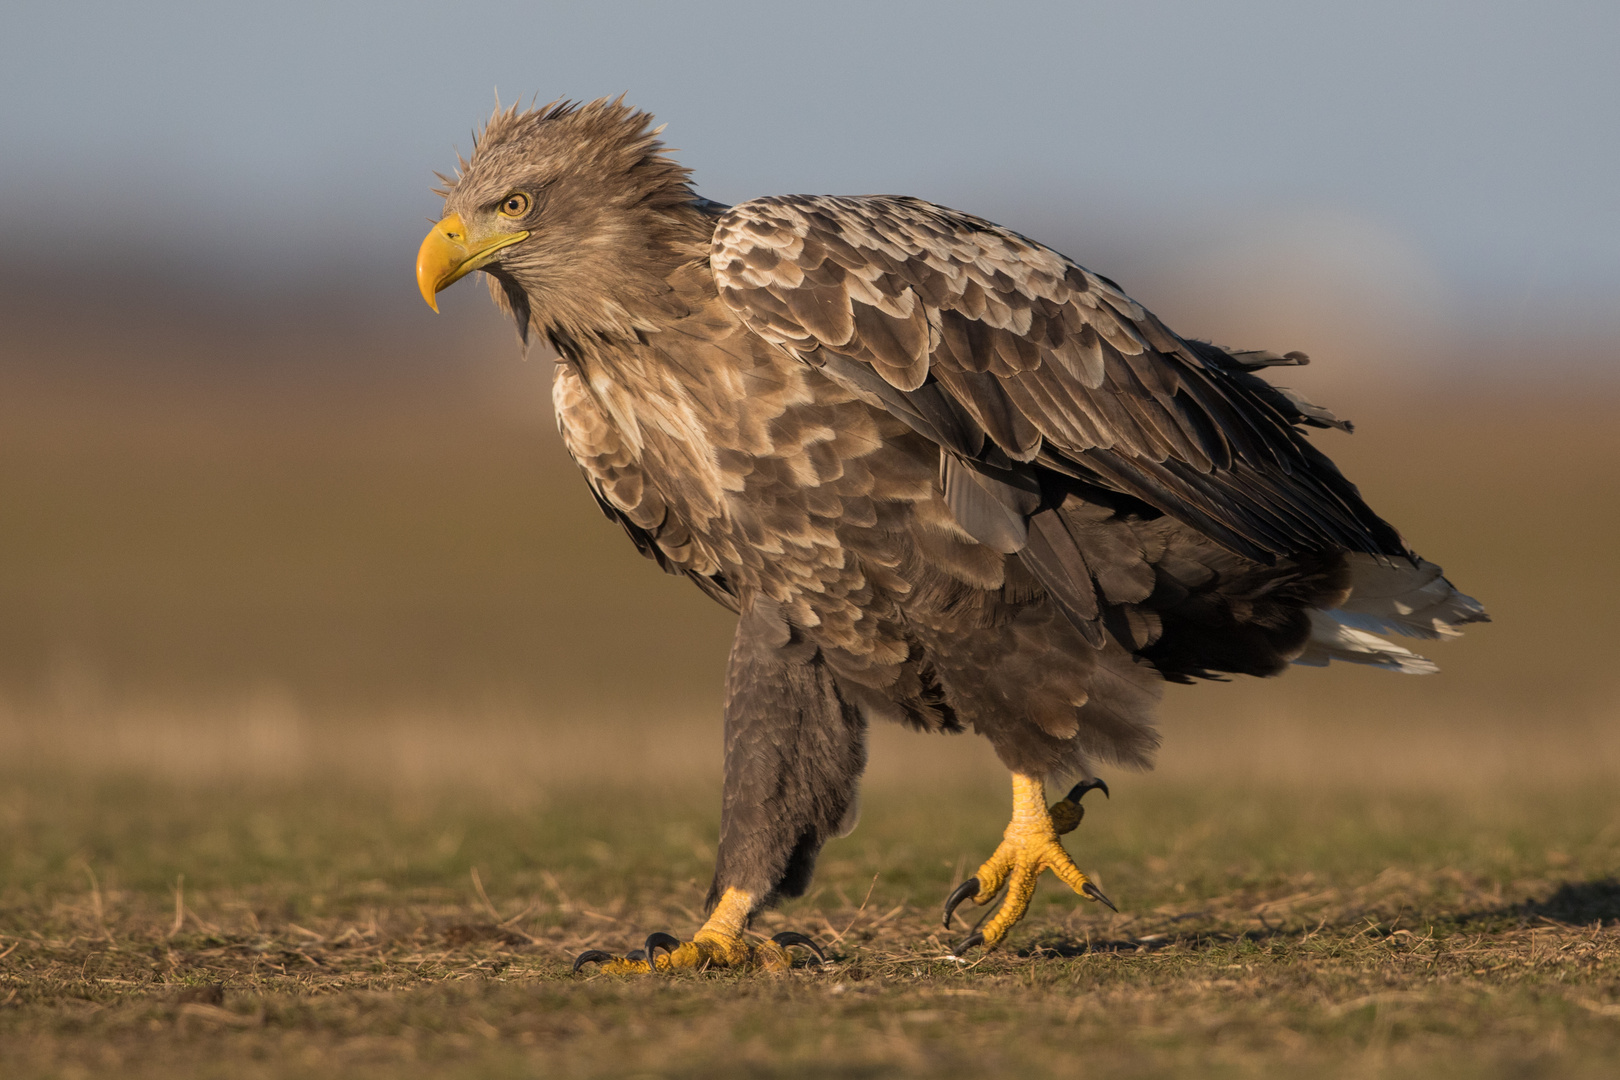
1389, 596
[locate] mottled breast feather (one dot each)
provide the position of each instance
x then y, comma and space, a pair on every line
614, 471
1023, 365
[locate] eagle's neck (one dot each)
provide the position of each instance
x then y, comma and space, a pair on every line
624, 288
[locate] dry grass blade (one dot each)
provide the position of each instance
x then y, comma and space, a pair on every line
483, 897
179, 906
96, 905
1380, 999
858, 911
217, 1015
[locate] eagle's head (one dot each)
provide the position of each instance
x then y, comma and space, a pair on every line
577, 214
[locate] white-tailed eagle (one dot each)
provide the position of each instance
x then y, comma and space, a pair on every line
945, 476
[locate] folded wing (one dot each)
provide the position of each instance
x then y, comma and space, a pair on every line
1036, 376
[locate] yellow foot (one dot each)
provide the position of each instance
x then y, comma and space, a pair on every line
719, 944
1029, 846
701, 953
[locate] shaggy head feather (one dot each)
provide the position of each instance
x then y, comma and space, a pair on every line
610, 215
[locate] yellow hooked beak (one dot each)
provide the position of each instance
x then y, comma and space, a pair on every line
448, 254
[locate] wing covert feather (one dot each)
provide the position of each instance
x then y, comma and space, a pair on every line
1003, 350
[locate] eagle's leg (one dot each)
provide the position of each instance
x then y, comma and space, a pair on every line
1029, 846
795, 748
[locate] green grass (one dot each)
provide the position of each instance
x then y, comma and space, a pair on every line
334, 928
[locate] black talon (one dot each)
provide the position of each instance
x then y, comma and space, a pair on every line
590, 956
972, 940
1086, 785
789, 937
968, 888
636, 954
1091, 892
658, 941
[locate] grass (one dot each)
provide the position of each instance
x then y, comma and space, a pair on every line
318, 927
334, 721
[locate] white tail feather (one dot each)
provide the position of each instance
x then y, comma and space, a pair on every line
1400, 597
1332, 640
1389, 596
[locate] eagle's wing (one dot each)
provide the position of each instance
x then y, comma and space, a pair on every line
1034, 372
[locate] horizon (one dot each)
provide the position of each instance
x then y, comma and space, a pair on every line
1451, 178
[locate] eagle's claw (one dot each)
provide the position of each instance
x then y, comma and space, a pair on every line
590, 956
972, 941
1091, 892
1067, 812
1087, 785
789, 938
668, 942
968, 888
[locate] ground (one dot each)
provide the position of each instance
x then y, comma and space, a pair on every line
305, 617
326, 928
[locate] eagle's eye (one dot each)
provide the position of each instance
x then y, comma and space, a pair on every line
516, 205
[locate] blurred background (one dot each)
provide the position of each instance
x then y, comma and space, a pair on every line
262, 512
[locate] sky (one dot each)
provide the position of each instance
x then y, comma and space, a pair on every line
1453, 157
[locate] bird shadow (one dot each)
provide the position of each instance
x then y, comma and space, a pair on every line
1576, 903
1573, 904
